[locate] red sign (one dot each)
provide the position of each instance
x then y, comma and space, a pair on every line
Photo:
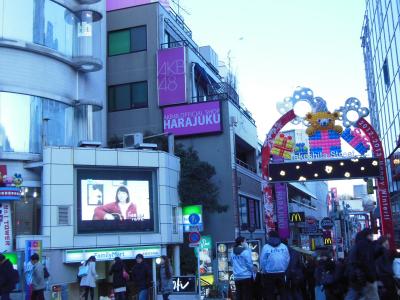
381, 180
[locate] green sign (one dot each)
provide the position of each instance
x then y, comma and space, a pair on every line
192, 218
13, 258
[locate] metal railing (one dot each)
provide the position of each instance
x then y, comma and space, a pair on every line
245, 165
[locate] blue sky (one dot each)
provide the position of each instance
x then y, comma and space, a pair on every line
277, 45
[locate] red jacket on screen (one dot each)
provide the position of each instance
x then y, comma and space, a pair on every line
113, 208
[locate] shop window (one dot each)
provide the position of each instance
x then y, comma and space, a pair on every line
249, 211
127, 41
27, 212
128, 96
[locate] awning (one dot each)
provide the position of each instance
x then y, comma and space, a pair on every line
303, 189
201, 73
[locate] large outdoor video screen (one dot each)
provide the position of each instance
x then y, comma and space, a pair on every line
112, 200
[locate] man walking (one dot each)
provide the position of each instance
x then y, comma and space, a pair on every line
141, 276
242, 269
274, 260
38, 281
6, 278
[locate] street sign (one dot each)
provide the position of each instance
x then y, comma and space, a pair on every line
194, 237
194, 219
297, 217
327, 223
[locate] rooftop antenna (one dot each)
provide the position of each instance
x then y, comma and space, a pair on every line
179, 7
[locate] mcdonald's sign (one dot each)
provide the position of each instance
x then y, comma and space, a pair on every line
327, 241
297, 217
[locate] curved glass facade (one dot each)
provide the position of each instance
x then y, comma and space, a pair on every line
26, 121
49, 24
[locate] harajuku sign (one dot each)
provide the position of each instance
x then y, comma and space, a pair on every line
324, 143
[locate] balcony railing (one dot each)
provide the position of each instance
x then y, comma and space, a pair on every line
245, 165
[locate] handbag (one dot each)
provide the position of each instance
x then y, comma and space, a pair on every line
83, 271
125, 275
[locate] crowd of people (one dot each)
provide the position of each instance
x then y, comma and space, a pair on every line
370, 271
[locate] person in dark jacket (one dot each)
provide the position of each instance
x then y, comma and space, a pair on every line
384, 270
295, 275
141, 276
362, 268
119, 281
309, 279
6, 284
257, 283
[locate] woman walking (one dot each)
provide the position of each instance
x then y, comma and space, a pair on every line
165, 277
120, 277
88, 282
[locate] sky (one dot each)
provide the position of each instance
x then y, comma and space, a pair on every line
277, 45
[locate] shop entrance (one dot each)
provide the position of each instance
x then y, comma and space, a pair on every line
322, 158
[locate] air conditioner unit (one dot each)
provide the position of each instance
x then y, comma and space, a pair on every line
130, 140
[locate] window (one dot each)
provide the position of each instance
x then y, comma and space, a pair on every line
175, 219
128, 96
249, 211
127, 41
385, 70
27, 213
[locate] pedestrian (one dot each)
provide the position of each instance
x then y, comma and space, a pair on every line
242, 266
362, 268
7, 278
165, 277
120, 277
274, 263
322, 276
141, 277
257, 284
295, 275
396, 271
88, 282
309, 278
38, 280
341, 281
384, 270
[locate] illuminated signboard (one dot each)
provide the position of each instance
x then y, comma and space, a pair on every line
192, 218
395, 165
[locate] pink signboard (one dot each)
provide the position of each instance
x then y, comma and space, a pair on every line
171, 76
119, 4
282, 214
199, 118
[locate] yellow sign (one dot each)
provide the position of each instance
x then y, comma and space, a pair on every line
207, 280
297, 217
327, 241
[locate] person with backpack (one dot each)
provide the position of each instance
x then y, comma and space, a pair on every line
8, 278
274, 261
120, 277
88, 282
242, 265
38, 278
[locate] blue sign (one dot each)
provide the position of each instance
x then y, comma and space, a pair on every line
194, 237
194, 219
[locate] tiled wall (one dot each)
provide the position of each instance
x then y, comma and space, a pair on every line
58, 181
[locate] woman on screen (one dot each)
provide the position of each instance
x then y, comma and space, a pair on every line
121, 209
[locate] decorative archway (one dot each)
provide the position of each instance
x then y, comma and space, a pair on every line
352, 105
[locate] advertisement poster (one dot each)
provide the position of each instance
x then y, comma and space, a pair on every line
171, 72
31, 247
5, 227
282, 214
206, 272
224, 252
191, 119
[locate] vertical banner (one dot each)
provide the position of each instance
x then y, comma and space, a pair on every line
5, 227
31, 247
381, 180
282, 214
205, 257
171, 72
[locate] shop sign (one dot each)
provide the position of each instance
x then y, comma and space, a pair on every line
108, 254
10, 193
297, 217
282, 210
326, 223
184, 285
206, 271
5, 227
192, 218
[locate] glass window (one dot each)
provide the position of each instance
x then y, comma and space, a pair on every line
385, 70
27, 212
139, 94
249, 211
119, 42
138, 39
119, 97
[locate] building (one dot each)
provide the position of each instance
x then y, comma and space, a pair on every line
160, 81
52, 94
380, 39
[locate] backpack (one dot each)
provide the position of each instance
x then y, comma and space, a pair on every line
46, 273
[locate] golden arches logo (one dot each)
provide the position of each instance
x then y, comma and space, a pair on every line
296, 217
327, 241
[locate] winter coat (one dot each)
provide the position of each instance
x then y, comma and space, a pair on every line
396, 268
242, 263
274, 257
38, 282
384, 265
90, 279
117, 272
6, 285
166, 284
141, 276
295, 270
